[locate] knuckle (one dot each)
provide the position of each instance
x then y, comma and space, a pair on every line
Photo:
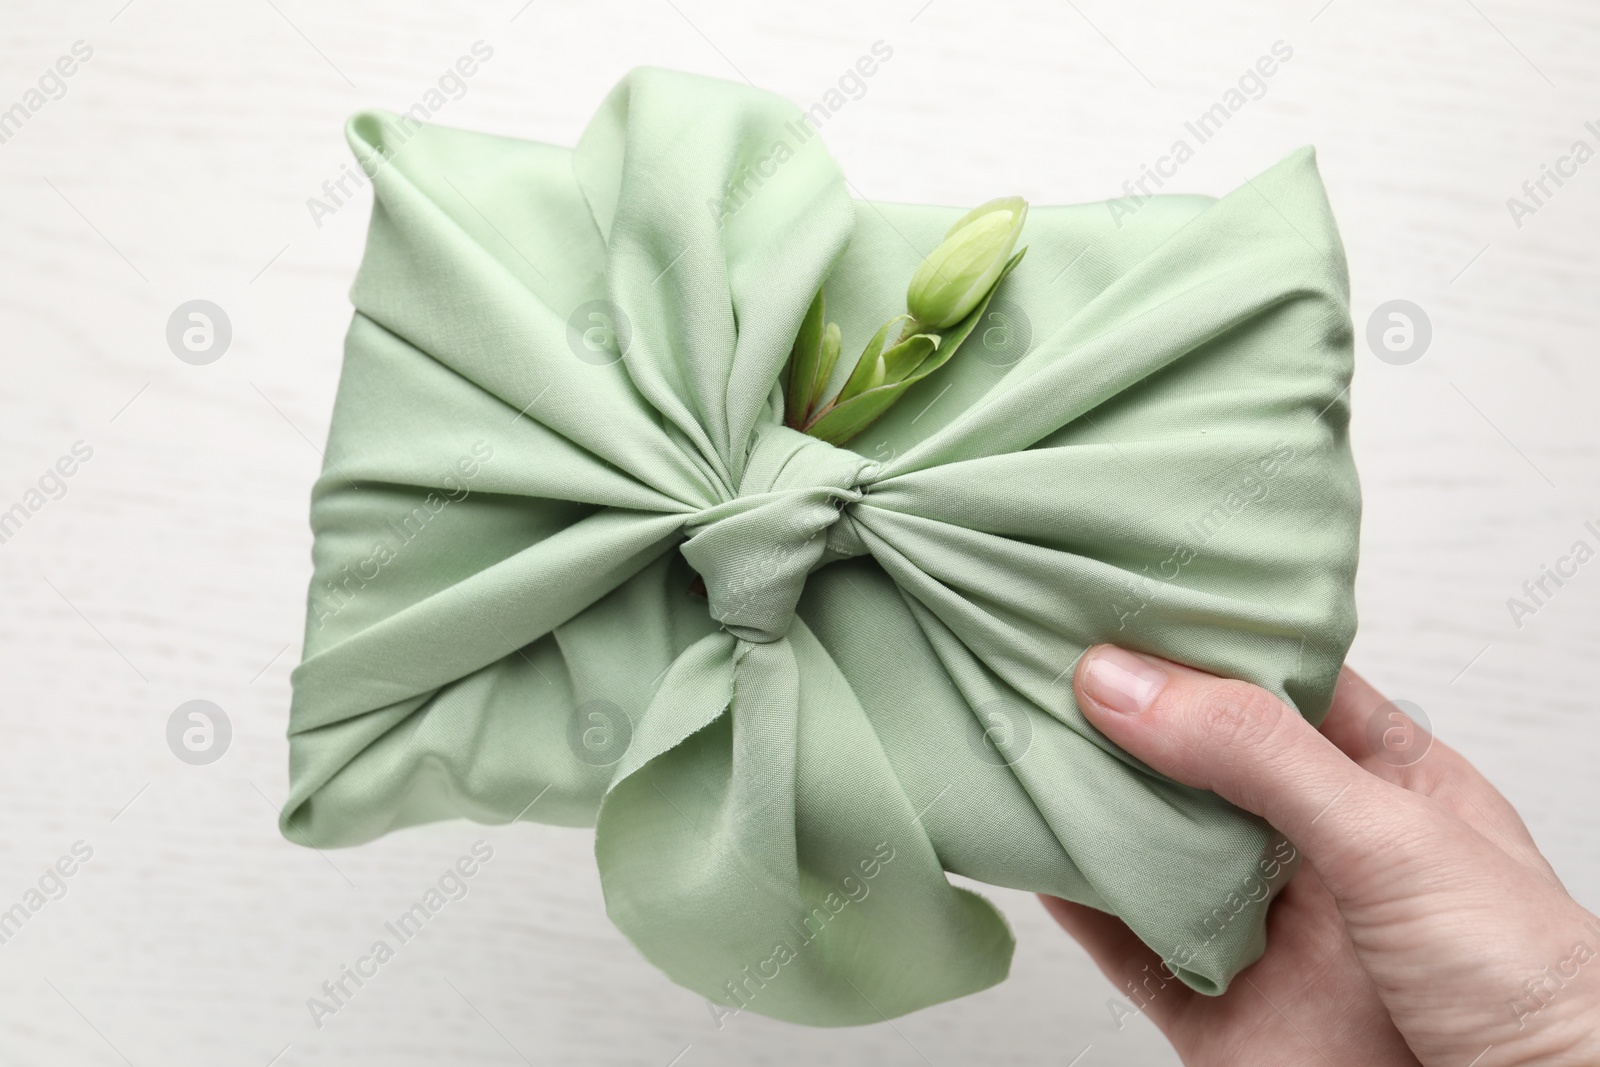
1237, 715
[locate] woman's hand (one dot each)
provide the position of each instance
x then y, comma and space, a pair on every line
1425, 925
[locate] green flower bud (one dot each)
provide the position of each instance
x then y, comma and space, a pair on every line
805, 361
961, 271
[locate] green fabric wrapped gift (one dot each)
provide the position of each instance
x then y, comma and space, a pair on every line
571, 567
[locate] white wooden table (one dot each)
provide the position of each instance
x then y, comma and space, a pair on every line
177, 165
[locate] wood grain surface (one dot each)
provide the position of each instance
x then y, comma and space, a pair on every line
171, 565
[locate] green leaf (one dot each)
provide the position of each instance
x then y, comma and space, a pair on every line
901, 361
867, 367
804, 359
848, 418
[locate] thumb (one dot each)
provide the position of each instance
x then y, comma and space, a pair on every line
1240, 742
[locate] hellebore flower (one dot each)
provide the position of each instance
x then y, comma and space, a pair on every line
948, 295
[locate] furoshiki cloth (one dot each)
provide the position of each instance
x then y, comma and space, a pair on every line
571, 568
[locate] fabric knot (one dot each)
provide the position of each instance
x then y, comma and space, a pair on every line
788, 518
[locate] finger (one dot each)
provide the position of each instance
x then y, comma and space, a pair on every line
1137, 972
1246, 745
